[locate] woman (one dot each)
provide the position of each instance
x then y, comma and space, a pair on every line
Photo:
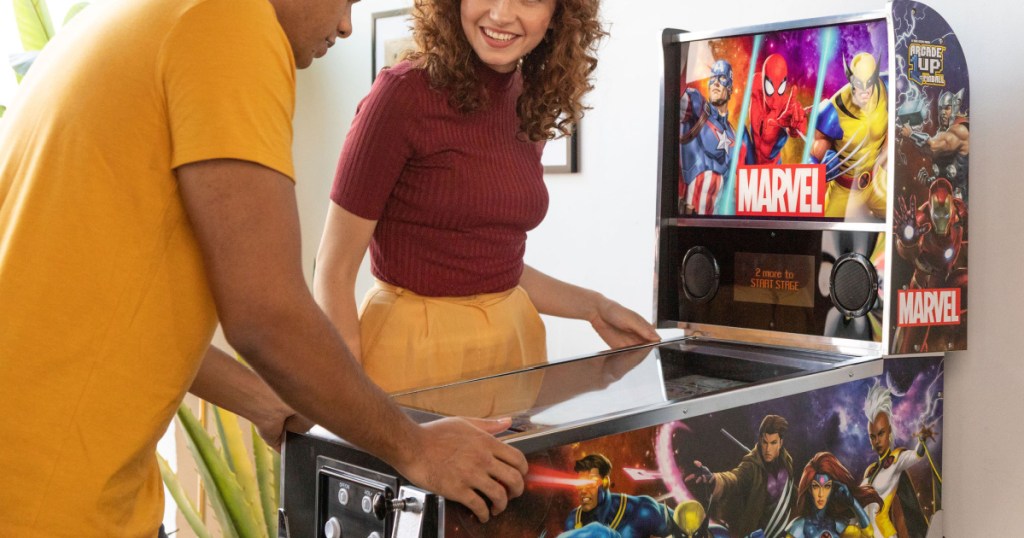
440, 176
830, 503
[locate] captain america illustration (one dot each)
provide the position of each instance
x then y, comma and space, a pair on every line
706, 139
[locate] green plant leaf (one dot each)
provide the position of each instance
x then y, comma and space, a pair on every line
184, 504
226, 496
240, 463
266, 475
34, 23
74, 10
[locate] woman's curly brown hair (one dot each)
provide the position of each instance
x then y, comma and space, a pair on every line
556, 74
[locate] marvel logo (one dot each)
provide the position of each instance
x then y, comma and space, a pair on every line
928, 307
794, 190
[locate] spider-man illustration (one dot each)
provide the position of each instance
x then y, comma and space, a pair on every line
775, 114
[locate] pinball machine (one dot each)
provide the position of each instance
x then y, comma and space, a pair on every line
811, 225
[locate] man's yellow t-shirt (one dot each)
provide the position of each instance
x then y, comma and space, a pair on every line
105, 310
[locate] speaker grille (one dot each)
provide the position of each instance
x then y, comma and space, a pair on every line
853, 284
699, 275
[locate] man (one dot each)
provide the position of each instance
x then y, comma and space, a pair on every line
850, 141
705, 139
602, 513
900, 514
758, 495
146, 192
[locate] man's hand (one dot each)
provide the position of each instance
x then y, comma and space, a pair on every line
272, 430
228, 383
460, 460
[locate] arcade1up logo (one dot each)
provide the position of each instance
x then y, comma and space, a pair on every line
925, 63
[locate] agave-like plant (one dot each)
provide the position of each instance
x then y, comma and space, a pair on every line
36, 30
242, 491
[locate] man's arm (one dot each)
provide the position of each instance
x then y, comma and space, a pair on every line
227, 383
245, 219
615, 324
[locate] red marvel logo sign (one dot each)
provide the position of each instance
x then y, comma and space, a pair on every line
928, 307
782, 190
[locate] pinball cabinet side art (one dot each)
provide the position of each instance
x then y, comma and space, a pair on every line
812, 239
859, 458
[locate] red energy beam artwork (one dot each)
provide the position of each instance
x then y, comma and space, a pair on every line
542, 477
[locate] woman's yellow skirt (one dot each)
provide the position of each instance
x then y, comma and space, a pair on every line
410, 341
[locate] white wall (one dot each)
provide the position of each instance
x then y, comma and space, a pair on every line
599, 231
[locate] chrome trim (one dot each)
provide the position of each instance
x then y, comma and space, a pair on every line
889, 310
793, 357
812, 225
282, 524
441, 514
409, 520
685, 37
657, 199
827, 344
657, 264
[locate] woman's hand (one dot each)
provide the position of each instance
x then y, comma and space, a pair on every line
621, 327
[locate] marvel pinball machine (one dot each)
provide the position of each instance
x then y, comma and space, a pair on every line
812, 246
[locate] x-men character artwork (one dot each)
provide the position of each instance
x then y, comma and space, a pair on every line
810, 107
931, 167
859, 459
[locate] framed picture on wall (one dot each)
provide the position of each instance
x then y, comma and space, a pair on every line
392, 38
559, 155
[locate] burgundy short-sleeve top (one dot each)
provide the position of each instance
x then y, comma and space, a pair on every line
453, 194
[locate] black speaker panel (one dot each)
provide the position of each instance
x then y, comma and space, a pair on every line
706, 277
853, 284
699, 273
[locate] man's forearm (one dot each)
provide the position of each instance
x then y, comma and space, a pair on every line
303, 358
229, 384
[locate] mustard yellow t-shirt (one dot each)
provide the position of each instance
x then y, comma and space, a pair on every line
105, 310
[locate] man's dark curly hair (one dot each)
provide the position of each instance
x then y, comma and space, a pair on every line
556, 74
